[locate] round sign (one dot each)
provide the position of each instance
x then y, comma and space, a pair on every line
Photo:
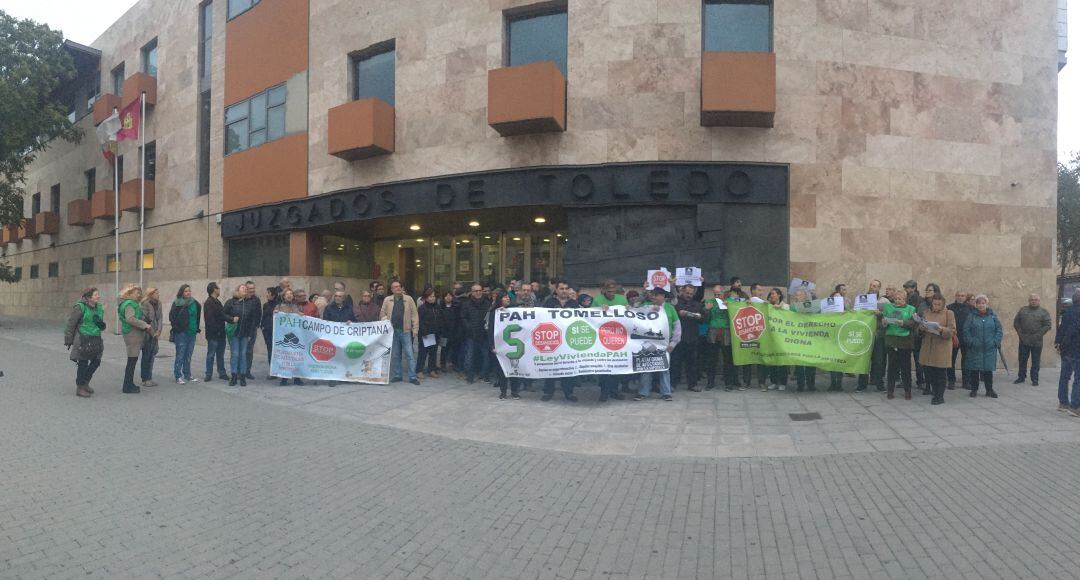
748, 324
323, 350
580, 336
612, 335
659, 279
355, 350
546, 337
855, 337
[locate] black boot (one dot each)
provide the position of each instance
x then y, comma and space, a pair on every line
243, 380
990, 393
297, 381
232, 381
284, 382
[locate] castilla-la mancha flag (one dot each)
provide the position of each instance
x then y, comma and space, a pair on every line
130, 119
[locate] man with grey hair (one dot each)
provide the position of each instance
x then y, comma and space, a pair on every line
1067, 343
1032, 322
339, 286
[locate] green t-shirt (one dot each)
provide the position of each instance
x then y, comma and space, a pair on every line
616, 300
905, 313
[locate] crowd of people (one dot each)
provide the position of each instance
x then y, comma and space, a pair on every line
461, 320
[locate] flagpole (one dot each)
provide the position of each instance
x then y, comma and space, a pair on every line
142, 187
116, 226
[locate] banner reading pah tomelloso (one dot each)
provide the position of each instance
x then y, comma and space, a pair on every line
315, 349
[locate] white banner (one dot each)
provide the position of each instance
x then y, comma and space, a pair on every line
310, 348
540, 343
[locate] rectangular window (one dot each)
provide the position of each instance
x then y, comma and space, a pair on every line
147, 259
149, 169
87, 266
206, 45
373, 73
120, 169
737, 26
256, 120
35, 204
110, 262
238, 7
536, 37
204, 143
34, 272
54, 199
54, 269
206, 39
118, 80
18, 273
93, 90
91, 182
149, 58
259, 256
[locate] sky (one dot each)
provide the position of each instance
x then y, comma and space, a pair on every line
83, 21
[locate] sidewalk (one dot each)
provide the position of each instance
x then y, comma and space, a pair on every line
707, 424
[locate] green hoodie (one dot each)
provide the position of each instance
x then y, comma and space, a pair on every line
193, 316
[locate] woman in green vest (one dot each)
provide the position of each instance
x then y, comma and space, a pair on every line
82, 336
133, 328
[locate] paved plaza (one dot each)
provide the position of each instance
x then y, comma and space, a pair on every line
446, 481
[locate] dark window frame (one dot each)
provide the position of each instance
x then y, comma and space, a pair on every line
117, 79
249, 115
54, 199
35, 204
772, 19
34, 271
87, 266
526, 13
90, 175
373, 51
53, 270
150, 161
18, 273
229, 14
144, 53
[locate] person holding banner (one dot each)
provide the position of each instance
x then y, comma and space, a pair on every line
288, 306
685, 355
936, 349
877, 359
983, 334
561, 299
805, 377
500, 301
400, 309
899, 342
719, 341
777, 375
658, 298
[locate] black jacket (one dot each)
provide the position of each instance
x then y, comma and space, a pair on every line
961, 312
214, 319
690, 323
178, 317
473, 315
553, 302
1068, 332
335, 313
429, 318
490, 334
248, 313
255, 305
267, 322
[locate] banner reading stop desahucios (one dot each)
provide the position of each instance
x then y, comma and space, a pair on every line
310, 348
763, 334
541, 343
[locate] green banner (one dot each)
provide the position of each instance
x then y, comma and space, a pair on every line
764, 334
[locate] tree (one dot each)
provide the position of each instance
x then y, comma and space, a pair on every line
1068, 214
34, 66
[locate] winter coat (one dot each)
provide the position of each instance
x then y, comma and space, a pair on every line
214, 319
936, 351
982, 335
179, 316
473, 314
449, 326
152, 315
961, 312
366, 312
1068, 332
335, 313
248, 313
429, 318
72, 336
1031, 324
134, 339
409, 321
308, 309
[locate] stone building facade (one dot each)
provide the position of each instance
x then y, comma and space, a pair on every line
890, 139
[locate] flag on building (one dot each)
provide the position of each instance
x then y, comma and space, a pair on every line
106, 134
130, 119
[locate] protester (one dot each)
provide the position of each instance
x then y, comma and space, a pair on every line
366, 310
805, 376
214, 319
585, 300
306, 307
287, 305
500, 301
961, 311
1067, 344
133, 327
777, 375
184, 317
473, 313
719, 340
380, 294
266, 322
82, 337
634, 299
899, 342
608, 297
560, 299
526, 299
449, 333
400, 310
151, 307
320, 301
338, 310
684, 357
283, 285
254, 305
1031, 324
242, 316
877, 355
658, 299
982, 333
340, 287
936, 349
428, 315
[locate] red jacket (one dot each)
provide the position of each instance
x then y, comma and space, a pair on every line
309, 309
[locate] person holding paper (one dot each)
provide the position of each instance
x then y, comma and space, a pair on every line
684, 358
836, 379
500, 301
877, 356
658, 298
982, 333
776, 374
719, 340
899, 342
426, 361
936, 349
805, 377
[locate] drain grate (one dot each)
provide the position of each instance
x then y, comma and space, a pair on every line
805, 416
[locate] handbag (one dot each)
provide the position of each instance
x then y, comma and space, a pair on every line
955, 341
90, 347
230, 329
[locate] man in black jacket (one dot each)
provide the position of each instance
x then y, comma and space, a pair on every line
338, 310
961, 311
685, 356
214, 318
560, 299
474, 311
251, 304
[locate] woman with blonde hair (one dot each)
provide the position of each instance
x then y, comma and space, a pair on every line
133, 327
151, 307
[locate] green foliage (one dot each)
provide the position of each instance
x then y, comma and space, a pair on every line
34, 65
1068, 215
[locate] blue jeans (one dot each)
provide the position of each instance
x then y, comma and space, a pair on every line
1069, 367
185, 346
402, 344
238, 346
215, 349
149, 351
646, 383
473, 358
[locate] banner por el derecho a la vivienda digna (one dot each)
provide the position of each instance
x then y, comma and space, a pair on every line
310, 348
764, 334
542, 343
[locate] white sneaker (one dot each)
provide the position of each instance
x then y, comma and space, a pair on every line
179, 381
193, 380
781, 388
